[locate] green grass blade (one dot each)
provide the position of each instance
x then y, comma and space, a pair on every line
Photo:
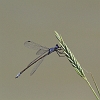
70, 56
74, 61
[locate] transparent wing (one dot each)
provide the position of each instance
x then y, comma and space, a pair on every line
41, 51
32, 45
35, 67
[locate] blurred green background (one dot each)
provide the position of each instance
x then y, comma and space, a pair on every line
78, 21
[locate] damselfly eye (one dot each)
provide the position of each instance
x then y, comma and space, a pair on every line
28, 41
57, 45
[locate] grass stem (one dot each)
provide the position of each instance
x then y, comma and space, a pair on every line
74, 62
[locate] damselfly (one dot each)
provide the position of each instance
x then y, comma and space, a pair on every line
42, 52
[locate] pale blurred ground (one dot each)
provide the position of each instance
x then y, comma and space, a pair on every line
78, 21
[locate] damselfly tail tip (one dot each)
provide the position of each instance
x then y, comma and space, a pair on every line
17, 75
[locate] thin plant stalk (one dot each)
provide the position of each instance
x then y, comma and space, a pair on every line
74, 62
91, 88
95, 84
93, 81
